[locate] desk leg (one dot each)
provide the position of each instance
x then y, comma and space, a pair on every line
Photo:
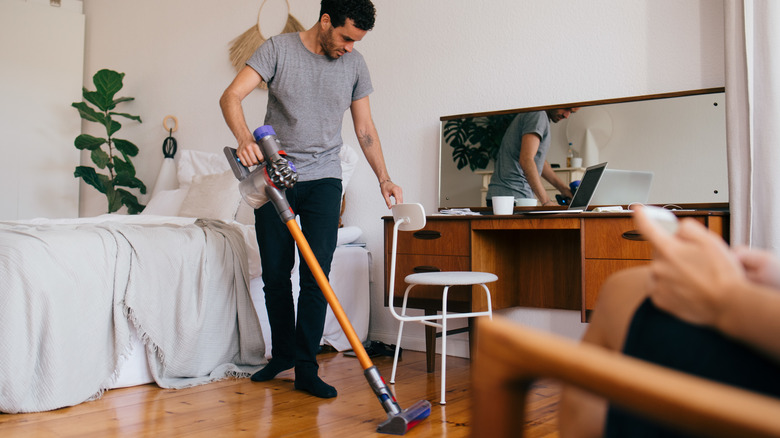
430, 343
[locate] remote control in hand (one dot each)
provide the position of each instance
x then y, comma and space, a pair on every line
662, 217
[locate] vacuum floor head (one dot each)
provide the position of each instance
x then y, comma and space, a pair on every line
399, 424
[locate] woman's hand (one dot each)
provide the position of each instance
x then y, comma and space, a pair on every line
693, 272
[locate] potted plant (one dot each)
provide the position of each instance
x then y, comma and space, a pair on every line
475, 140
109, 153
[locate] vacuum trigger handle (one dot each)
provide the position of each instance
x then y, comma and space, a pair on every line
239, 170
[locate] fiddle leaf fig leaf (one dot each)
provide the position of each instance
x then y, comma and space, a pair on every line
125, 147
91, 177
108, 82
100, 158
88, 142
96, 99
124, 169
113, 127
130, 200
87, 113
114, 200
129, 116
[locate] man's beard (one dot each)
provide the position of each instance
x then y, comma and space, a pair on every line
328, 47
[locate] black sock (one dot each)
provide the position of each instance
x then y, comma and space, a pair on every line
274, 367
315, 386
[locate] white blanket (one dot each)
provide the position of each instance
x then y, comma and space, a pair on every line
69, 292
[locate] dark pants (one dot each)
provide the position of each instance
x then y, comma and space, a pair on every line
318, 205
659, 337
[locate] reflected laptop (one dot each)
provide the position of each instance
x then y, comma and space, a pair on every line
623, 187
579, 203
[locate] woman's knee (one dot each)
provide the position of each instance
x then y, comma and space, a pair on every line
619, 297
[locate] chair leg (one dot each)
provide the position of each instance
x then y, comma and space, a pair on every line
443, 354
471, 338
430, 344
397, 349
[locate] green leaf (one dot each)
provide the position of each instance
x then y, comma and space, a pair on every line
87, 113
129, 199
124, 146
460, 155
114, 200
125, 179
115, 126
119, 100
137, 183
123, 168
108, 82
97, 99
456, 132
100, 158
478, 158
91, 177
88, 142
129, 116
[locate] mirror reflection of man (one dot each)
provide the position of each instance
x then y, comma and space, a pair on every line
521, 162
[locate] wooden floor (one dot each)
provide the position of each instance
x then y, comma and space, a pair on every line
240, 407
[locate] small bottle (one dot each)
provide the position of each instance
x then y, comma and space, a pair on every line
569, 156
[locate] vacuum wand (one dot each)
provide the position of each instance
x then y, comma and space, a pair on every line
398, 420
282, 173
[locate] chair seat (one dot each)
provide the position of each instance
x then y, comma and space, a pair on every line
451, 278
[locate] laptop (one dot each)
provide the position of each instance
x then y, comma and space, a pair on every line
623, 187
582, 197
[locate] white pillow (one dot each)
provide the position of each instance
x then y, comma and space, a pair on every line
245, 214
214, 196
348, 235
349, 160
165, 202
192, 163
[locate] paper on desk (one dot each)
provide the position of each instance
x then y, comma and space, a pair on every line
458, 212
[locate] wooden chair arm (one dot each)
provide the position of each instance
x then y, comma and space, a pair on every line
509, 357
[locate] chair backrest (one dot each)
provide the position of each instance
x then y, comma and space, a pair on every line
407, 217
411, 216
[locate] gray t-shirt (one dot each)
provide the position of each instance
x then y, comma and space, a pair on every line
307, 97
508, 177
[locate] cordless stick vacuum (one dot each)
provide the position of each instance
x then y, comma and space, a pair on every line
268, 181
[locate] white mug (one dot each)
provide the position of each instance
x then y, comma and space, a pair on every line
503, 204
576, 162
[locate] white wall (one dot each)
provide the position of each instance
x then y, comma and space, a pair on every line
427, 58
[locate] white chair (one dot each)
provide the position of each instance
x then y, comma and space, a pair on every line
411, 217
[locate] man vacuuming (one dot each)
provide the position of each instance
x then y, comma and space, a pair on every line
313, 77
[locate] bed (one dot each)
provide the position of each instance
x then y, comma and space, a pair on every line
172, 296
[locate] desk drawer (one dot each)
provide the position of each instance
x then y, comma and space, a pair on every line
437, 238
597, 272
611, 239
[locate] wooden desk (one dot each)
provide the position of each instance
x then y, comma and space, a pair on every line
554, 261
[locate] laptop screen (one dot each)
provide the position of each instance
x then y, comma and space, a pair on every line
587, 187
623, 187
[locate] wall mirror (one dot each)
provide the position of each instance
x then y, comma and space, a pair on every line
680, 137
